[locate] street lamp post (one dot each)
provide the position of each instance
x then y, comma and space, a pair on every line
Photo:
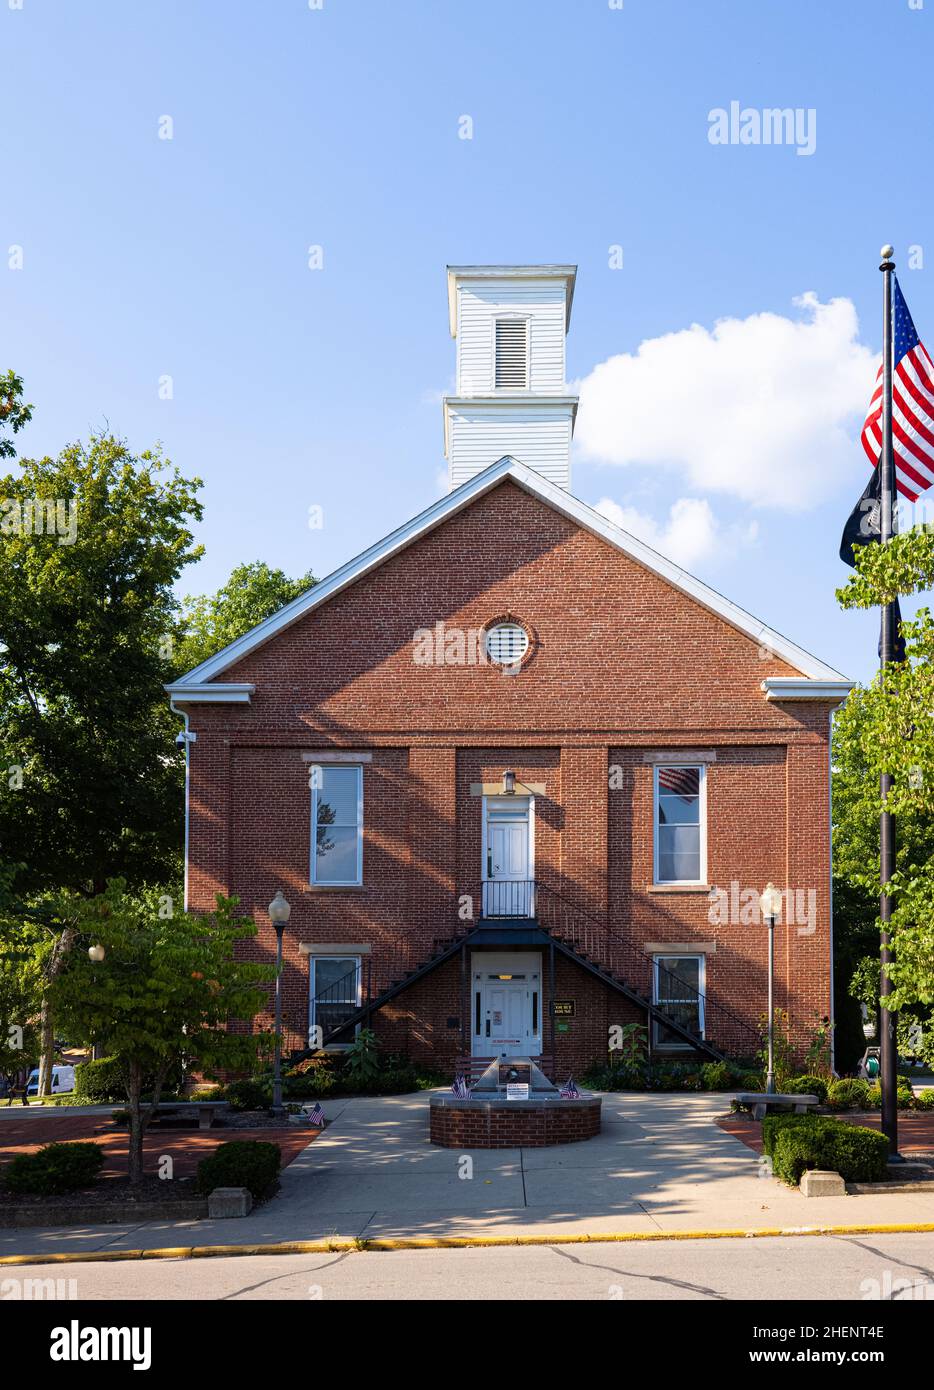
770, 902
279, 913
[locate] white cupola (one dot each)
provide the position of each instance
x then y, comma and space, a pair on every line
510, 324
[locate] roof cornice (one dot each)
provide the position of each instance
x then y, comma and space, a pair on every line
568, 273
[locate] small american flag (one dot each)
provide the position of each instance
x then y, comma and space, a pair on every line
912, 406
679, 781
569, 1090
316, 1116
460, 1088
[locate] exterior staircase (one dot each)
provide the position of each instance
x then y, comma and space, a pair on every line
583, 938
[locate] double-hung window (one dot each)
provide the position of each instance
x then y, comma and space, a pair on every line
680, 829
337, 825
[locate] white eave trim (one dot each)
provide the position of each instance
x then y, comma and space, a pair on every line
186, 692
791, 688
506, 398
568, 273
563, 502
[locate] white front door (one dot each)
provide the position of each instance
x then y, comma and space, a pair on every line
508, 890
507, 1005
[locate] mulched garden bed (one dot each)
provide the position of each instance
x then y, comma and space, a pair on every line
107, 1193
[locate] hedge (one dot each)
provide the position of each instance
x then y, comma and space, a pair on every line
797, 1142
100, 1081
54, 1168
250, 1163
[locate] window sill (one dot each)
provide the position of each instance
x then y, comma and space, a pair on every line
334, 887
678, 888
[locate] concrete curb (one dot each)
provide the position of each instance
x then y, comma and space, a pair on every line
364, 1246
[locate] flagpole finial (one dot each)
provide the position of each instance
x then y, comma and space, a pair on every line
887, 252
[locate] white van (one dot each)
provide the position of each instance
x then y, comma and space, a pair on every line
63, 1080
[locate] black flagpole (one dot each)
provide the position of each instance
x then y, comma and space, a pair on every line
888, 1061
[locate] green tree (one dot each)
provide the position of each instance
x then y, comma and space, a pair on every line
169, 990
91, 779
14, 414
890, 728
253, 592
20, 1000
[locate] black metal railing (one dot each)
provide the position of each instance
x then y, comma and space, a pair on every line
679, 998
338, 1002
505, 898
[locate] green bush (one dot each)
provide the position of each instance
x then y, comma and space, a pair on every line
250, 1163
859, 1154
716, 1076
925, 1099
751, 1081
55, 1168
103, 1081
797, 1142
807, 1086
97, 1083
850, 1093
298, 1085
248, 1094
904, 1097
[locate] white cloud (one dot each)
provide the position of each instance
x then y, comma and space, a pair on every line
764, 408
691, 536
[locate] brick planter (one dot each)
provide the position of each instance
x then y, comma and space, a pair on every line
512, 1124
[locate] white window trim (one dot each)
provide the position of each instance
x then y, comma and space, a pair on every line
527, 320
331, 882
701, 958
702, 816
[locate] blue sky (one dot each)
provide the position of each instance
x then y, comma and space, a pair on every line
338, 127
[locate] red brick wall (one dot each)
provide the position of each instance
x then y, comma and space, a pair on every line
621, 665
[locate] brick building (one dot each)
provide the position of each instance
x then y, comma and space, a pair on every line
521, 778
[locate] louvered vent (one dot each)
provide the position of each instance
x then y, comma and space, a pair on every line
512, 354
506, 643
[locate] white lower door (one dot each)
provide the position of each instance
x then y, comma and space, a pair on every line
507, 1006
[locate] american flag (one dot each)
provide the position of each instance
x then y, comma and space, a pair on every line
912, 406
569, 1090
316, 1116
679, 781
460, 1088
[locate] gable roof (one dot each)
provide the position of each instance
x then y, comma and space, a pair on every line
823, 682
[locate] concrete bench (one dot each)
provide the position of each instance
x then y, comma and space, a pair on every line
205, 1109
761, 1102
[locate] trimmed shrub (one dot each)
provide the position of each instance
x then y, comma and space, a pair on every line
250, 1163
807, 1086
850, 1093
797, 1142
248, 1095
54, 1168
103, 1081
924, 1100
97, 1083
859, 1154
751, 1081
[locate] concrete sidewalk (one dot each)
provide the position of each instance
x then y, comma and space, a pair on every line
661, 1166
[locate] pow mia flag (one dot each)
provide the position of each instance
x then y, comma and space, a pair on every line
863, 526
